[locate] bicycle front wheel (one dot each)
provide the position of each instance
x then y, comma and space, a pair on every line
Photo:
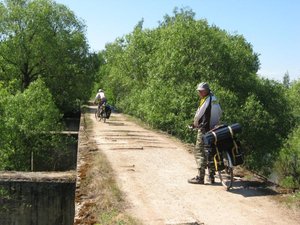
104, 117
97, 115
226, 175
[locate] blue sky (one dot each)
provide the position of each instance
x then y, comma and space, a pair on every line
271, 26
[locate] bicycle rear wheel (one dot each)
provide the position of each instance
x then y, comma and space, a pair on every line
226, 175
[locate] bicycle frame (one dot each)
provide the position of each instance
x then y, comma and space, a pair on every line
101, 113
223, 165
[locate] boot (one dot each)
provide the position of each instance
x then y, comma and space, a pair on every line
212, 177
199, 179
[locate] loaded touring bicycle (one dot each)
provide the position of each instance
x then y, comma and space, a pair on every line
103, 112
223, 151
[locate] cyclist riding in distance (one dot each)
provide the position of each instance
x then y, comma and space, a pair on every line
100, 99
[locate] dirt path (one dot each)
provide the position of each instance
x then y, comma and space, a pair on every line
152, 170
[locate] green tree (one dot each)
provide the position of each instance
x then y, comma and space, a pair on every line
171, 60
293, 94
288, 163
28, 119
258, 134
41, 38
286, 80
3, 99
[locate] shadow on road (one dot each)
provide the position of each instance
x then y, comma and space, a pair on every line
252, 189
115, 123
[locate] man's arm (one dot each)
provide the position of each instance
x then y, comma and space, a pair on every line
96, 98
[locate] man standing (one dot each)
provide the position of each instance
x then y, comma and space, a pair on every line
206, 117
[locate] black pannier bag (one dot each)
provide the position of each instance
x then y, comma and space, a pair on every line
233, 147
222, 139
108, 111
236, 153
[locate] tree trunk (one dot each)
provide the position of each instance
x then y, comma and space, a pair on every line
25, 76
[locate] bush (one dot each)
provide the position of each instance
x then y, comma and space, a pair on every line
288, 163
28, 120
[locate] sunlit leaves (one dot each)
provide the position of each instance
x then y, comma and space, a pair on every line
41, 38
27, 119
288, 163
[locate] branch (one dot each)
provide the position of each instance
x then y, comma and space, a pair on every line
8, 60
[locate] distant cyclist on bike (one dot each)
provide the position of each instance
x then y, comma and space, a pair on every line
206, 117
100, 99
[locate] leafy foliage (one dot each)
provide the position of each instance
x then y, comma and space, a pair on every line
45, 68
293, 94
27, 120
288, 163
41, 38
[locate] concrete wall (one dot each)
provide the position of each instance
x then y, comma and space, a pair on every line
37, 203
41, 198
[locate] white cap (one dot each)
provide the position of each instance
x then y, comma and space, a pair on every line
203, 86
